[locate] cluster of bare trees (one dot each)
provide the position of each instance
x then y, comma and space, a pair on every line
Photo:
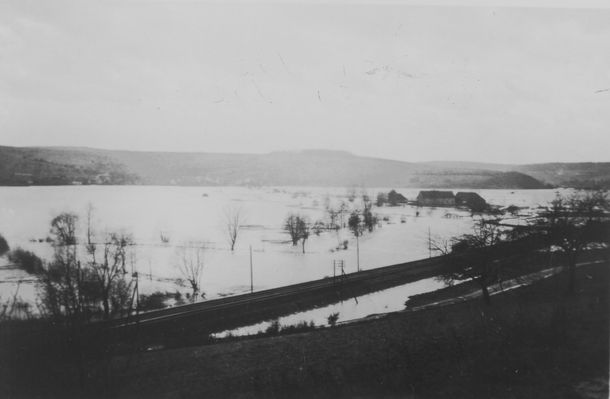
574, 221
83, 282
190, 256
79, 287
337, 215
358, 220
361, 220
96, 279
569, 223
391, 198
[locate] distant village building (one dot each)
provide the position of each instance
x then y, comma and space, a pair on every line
436, 198
471, 200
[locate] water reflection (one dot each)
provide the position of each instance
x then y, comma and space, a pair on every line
385, 301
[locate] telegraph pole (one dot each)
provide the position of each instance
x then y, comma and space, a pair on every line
251, 273
357, 253
429, 243
137, 291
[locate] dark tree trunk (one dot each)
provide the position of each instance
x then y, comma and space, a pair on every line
195, 287
486, 296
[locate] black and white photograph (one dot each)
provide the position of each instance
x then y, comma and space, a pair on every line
304, 199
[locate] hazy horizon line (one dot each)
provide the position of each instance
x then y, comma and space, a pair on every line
298, 150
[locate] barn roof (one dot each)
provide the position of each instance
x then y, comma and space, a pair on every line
435, 194
468, 196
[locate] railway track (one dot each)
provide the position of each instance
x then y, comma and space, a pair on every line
374, 279
192, 324
312, 293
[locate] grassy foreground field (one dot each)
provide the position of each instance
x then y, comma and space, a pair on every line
531, 342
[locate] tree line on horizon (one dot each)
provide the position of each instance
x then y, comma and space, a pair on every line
54, 166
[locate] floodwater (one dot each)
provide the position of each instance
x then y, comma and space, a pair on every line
196, 215
389, 300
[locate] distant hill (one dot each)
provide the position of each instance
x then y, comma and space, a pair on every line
71, 165
59, 166
578, 175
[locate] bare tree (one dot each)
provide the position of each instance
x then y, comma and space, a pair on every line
190, 264
475, 257
342, 212
333, 218
234, 219
304, 230
61, 279
368, 218
291, 227
318, 227
356, 224
63, 228
110, 271
440, 245
164, 237
298, 227
104, 279
90, 245
382, 198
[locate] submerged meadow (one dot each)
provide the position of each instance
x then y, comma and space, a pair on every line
165, 220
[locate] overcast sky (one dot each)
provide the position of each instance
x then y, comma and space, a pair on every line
393, 80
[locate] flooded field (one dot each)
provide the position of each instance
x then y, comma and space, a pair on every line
385, 301
164, 219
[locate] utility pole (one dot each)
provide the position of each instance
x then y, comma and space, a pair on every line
251, 273
137, 292
429, 243
338, 264
134, 270
357, 253
334, 270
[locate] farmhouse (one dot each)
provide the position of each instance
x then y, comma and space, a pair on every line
435, 198
470, 200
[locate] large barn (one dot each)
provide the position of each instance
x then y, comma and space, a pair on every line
435, 198
471, 200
